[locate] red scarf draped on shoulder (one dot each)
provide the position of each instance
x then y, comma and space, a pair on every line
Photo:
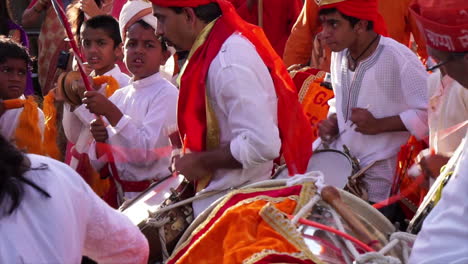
295, 131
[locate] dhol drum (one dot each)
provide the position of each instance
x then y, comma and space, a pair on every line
337, 166
162, 230
327, 247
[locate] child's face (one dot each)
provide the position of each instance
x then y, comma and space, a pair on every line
12, 78
98, 49
143, 52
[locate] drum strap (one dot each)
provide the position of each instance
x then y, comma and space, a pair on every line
115, 196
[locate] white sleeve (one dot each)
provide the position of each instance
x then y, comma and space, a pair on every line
137, 142
414, 87
110, 236
332, 104
245, 93
73, 122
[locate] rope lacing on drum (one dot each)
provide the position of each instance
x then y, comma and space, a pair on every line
405, 240
159, 224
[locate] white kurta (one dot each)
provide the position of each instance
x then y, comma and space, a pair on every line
242, 95
444, 235
76, 124
448, 106
392, 81
140, 144
72, 223
9, 121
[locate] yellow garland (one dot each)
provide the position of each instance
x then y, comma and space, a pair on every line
112, 84
50, 131
28, 135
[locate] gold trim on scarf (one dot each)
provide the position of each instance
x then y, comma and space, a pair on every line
308, 190
212, 125
198, 42
266, 252
306, 84
327, 2
280, 223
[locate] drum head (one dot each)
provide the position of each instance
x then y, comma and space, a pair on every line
151, 199
335, 166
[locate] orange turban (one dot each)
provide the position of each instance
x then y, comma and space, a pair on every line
443, 23
362, 9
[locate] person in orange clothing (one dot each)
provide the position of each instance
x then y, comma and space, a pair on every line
400, 25
279, 17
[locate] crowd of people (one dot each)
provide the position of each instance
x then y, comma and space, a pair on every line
398, 74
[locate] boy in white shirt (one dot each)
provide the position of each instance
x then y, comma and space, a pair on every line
102, 47
137, 116
23, 124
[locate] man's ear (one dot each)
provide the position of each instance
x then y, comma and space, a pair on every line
361, 26
190, 15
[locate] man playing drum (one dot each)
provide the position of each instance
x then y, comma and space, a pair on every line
380, 90
237, 106
444, 236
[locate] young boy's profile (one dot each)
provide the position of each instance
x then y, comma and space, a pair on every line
135, 117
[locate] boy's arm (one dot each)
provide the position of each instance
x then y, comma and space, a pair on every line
141, 140
98, 104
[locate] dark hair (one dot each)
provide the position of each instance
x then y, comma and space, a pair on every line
352, 20
148, 26
108, 24
9, 49
13, 165
205, 13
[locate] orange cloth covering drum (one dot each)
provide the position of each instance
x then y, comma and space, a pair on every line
402, 181
250, 226
312, 96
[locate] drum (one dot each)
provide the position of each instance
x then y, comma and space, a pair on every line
337, 166
143, 212
326, 246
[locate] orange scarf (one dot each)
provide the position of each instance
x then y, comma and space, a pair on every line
28, 134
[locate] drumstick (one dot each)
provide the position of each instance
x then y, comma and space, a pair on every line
331, 195
184, 145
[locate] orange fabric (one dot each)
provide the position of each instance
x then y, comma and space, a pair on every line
112, 84
294, 130
362, 9
99, 185
400, 25
239, 234
313, 97
13, 103
28, 134
230, 202
402, 181
278, 18
300, 42
50, 130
